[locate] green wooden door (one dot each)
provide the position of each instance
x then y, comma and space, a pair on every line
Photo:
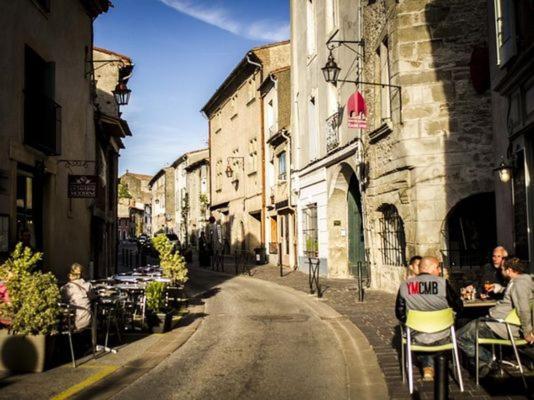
355, 223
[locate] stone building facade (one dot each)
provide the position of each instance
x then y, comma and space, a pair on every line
236, 146
183, 196
139, 197
280, 211
511, 49
109, 69
430, 158
47, 116
419, 178
163, 201
198, 194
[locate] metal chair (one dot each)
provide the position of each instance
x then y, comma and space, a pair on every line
511, 319
429, 322
67, 327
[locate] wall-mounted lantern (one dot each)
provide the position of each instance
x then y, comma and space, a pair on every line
331, 69
122, 94
505, 171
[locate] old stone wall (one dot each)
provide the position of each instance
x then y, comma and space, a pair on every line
438, 150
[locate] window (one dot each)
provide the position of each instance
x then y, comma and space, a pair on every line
505, 30
282, 166
309, 230
382, 93
331, 16
218, 175
312, 129
310, 27
251, 88
270, 117
392, 236
42, 116
252, 155
233, 107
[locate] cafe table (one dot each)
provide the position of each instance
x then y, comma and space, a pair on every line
479, 303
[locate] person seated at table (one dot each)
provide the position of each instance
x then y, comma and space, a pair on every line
413, 266
518, 295
78, 293
492, 282
427, 291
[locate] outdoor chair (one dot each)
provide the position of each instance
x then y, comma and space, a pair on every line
429, 322
511, 319
67, 328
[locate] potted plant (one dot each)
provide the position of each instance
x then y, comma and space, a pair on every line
161, 317
172, 263
32, 310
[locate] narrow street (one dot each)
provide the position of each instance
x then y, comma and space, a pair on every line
259, 340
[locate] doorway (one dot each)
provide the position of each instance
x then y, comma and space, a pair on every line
356, 239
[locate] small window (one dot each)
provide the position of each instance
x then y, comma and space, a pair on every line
505, 30
382, 93
392, 236
310, 27
282, 175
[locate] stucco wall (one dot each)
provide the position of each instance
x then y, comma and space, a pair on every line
66, 224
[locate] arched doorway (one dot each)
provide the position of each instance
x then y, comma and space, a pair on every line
470, 231
355, 223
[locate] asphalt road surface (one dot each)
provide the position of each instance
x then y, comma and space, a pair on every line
257, 341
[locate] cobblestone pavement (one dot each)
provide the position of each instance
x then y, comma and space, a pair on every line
376, 319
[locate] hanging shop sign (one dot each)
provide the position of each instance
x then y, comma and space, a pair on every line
357, 111
82, 186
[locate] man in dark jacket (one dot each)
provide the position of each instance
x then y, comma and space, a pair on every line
427, 291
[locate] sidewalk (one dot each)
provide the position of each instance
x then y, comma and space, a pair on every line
106, 375
376, 319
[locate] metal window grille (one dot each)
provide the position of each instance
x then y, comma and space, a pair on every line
392, 237
309, 231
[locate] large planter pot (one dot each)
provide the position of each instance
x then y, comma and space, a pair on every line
162, 322
25, 353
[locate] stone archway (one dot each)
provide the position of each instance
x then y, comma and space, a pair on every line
345, 222
469, 231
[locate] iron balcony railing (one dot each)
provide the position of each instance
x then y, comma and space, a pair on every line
42, 123
332, 132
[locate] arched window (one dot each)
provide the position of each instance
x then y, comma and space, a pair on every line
392, 236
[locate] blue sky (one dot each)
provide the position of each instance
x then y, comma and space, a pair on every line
182, 50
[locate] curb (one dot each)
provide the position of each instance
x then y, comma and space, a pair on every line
365, 379
111, 384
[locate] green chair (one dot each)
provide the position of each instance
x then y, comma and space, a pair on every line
511, 319
429, 322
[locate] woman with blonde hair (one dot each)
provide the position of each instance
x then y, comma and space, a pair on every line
77, 292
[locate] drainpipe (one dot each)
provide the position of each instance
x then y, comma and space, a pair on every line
262, 140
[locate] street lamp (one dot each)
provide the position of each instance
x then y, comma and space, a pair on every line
505, 171
122, 94
331, 69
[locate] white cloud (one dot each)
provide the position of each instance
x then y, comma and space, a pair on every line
220, 17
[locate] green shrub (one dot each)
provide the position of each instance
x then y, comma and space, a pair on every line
172, 263
33, 308
155, 295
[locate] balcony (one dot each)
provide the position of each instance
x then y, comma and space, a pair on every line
332, 132
42, 123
